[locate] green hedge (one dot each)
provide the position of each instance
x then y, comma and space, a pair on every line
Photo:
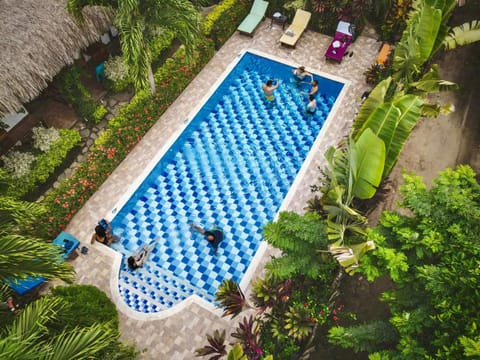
124, 131
45, 164
224, 19
70, 85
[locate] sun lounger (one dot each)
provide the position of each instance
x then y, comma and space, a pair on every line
296, 29
254, 18
383, 54
67, 243
340, 42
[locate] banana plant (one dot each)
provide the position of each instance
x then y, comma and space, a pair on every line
354, 170
349, 256
423, 37
393, 122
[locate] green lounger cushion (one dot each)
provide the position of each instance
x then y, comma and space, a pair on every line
257, 13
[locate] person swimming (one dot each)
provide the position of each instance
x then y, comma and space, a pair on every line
213, 236
138, 259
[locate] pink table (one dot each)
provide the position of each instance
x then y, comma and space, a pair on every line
338, 46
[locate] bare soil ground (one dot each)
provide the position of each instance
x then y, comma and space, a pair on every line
435, 144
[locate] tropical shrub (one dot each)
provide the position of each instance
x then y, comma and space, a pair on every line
117, 72
43, 138
327, 13
123, 132
85, 306
44, 164
72, 88
18, 164
158, 46
303, 242
431, 252
224, 19
287, 313
28, 336
23, 252
391, 17
371, 336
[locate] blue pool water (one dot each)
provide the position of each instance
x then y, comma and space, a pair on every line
231, 167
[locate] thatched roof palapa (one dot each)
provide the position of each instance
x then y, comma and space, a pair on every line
37, 39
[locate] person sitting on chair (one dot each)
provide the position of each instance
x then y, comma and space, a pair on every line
103, 233
213, 236
137, 259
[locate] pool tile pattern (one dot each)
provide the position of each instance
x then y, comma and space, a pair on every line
176, 337
232, 168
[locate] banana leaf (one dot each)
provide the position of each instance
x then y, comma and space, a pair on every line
463, 35
406, 57
393, 122
431, 82
428, 25
374, 100
367, 160
349, 257
410, 108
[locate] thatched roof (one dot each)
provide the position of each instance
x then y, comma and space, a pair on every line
37, 39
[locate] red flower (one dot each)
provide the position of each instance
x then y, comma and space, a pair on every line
335, 318
334, 312
305, 304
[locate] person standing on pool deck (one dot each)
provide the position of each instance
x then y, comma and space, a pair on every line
214, 236
268, 89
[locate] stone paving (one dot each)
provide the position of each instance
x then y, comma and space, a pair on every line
176, 336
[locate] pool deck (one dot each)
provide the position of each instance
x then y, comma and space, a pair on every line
177, 336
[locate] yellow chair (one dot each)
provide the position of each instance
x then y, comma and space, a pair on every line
296, 29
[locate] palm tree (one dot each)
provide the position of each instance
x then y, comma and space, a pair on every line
27, 337
22, 252
138, 22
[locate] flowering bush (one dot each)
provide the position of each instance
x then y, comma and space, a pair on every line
115, 69
124, 131
18, 163
45, 163
43, 138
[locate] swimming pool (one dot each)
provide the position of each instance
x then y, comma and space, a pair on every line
231, 167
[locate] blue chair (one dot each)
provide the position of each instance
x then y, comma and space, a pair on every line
67, 242
100, 71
